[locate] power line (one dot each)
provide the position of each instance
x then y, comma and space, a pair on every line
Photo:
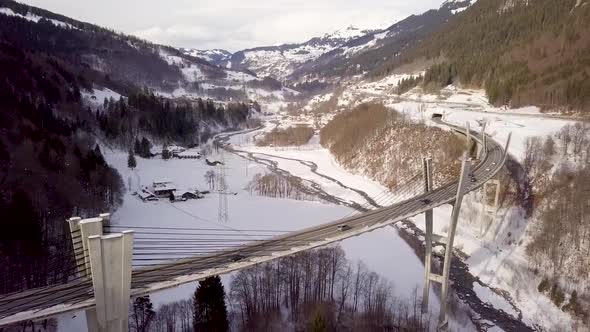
198, 229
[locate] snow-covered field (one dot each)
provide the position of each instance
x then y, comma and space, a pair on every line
382, 251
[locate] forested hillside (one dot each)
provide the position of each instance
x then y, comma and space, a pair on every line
122, 63
117, 61
167, 120
522, 52
50, 167
383, 145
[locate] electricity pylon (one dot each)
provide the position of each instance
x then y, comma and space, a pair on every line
222, 213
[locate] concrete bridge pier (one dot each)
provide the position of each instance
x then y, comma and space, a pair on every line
107, 260
428, 186
489, 211
484, 143
443, 278
110, 262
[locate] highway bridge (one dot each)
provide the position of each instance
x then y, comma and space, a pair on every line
39, 303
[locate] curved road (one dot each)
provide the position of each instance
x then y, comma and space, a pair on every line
52, 300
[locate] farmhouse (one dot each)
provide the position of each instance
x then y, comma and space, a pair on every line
175, 150
146, 195
191, 195
163, 188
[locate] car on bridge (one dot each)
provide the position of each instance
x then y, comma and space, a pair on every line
343, 228
237, 258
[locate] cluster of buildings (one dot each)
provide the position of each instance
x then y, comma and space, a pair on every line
183, 153
166, 189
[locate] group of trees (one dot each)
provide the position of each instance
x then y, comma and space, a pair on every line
524, 53
386, 146
205, 312
321, 291
557, 167
318, 290
278, 186
267, 83
142, 148
407, 84
291, 136
50, 168
111, 59
164, 119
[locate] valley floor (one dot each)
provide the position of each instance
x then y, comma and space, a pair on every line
497, 257
381, 251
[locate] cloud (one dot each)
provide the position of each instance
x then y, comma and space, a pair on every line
235, 24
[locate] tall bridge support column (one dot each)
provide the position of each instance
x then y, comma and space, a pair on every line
488, 213
506, 148
77, 246
110, 261
81, 230
428, 186
444, 278
484, 143
468, 134
462, 184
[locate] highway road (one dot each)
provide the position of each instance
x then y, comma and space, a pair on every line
78, 295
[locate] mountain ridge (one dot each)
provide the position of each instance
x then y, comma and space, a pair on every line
298, 62
279, 61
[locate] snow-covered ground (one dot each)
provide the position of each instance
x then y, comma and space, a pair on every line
280, 61
496, 256
96, 97
383, 251
234, 81
36, 18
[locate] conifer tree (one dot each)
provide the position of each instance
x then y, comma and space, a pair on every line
146, 147
166, 154
131, 162
137, 147
210, 313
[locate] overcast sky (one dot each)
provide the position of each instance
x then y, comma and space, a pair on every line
234, 24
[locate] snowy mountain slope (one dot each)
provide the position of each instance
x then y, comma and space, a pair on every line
214, 56
345, 52
125, 63
280, 61
36, 18
365, 53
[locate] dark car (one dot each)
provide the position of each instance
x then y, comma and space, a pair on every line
343, 228
237, 258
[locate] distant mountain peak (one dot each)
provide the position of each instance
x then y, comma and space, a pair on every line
348, 32
457, 6
213, 55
